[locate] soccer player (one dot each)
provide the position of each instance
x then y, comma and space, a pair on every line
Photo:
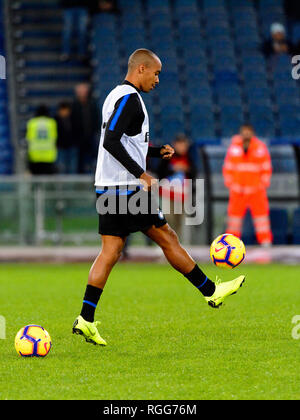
121, 170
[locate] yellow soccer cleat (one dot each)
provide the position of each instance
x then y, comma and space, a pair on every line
89, 330
223, 290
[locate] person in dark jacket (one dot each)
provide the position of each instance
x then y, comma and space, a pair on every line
75, 16
67, 161
86, 123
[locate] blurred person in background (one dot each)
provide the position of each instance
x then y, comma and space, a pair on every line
75, 19
41, 139
247, 174
86, 125
180, 167
67, 161
278, 43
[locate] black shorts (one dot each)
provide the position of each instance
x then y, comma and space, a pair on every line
122, 223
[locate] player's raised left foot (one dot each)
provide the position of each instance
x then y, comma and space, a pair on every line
89, 330
223, 290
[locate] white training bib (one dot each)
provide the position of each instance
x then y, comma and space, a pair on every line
109, 170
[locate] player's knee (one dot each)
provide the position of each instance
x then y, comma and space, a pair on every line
112, 256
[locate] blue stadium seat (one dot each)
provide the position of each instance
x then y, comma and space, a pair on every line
254, 62
200, 78
281, 62
244, 37
258, 95
228, 94
196, 65
289, 110
248, 44
231, 118
213, 4
196, 45
282, 77
222, 21
202, 121
171, 128
159, 19
230, 126
226, 77
185, 4
266, 4
187, 19
218, 15
225, 63
290, 127
165, 49
262, 118
245, 16
160, 32
279, 226
171, 111
200, 94
218, 31
286, 95
255, 76
198, 101
204, 111
169, 99
221, 46
191, 32
264, 127
154, 11
203, 129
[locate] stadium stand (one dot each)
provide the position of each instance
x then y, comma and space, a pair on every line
212, 60
6, 155
41, 76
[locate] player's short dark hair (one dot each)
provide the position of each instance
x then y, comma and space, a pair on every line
150, 55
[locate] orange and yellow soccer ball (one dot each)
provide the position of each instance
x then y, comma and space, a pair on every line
227, 251
33, 341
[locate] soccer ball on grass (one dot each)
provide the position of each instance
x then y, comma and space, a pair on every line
33, 341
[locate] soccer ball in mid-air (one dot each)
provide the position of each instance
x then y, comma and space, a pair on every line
33, 341
227, 251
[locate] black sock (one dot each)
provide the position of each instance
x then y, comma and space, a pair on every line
91, 298
201, 281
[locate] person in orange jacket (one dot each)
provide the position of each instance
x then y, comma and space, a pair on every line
247, 173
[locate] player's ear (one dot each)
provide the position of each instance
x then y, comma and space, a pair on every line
141, 68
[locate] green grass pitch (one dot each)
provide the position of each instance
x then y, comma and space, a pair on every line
164, 342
